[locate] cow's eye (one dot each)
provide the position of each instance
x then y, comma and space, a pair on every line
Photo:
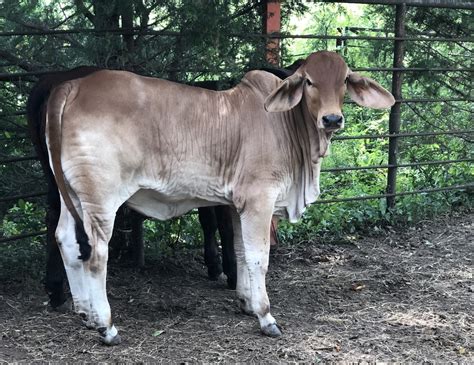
346, 80
308, 82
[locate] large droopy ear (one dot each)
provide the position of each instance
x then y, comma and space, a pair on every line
287, 95
367, 92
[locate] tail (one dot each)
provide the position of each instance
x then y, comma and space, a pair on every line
54, 115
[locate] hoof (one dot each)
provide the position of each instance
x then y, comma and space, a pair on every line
213, 278
90, 324
115, 340
64, 307
271, 330
110, 336
213, 272
231, 283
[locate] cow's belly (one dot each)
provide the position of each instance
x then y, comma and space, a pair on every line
157, 205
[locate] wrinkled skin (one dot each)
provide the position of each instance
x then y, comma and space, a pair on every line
257, 148
211, 218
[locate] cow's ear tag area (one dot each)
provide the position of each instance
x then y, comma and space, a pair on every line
287, 95
367, 92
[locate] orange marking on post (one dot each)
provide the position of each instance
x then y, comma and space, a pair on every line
273, 25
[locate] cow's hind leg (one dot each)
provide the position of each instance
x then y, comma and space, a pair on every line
55, 275
224, 223
69, 248
99, 229
137, 247
255, 222
207, 218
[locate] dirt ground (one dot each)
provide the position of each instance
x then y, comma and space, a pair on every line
402, 295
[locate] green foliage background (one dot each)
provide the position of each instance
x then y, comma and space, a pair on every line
215, 40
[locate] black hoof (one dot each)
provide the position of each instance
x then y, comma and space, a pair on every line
90, 325
271, 330
56, 297
213, 272
231, 283
64, 307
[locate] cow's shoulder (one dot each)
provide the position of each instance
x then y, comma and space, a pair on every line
262, 81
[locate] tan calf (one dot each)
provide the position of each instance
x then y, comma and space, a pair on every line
165, 148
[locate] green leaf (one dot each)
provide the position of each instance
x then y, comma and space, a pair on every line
158, 332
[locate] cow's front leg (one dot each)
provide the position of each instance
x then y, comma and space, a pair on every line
255, 221
243, 280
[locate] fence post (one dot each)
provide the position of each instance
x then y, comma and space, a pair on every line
394, 121
272, 24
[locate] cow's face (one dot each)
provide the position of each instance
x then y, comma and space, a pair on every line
320, 84
324, 76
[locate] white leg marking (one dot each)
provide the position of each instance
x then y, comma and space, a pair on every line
96, 275
66, 238
243, 279
256, 259
255, 224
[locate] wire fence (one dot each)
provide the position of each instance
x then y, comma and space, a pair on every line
33, 75
276, 35
393, 136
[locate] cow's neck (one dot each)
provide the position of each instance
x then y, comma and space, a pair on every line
319, 140
306, 143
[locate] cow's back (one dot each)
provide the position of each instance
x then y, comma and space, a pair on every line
179, 141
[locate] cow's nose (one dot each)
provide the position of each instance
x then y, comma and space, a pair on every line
332, 121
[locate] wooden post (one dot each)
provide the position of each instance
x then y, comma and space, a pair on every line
394, 121
272, 24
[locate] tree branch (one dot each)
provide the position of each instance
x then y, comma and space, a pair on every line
44, 27
83, 9
247, 9
17, 61
453, 89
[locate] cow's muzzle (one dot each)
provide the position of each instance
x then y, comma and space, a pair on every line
332, 121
